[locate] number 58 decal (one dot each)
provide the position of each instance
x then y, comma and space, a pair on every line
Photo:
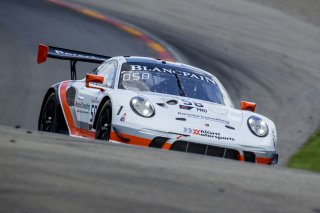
93, 112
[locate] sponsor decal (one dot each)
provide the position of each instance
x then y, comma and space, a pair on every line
60, 52
196, 132
123, 117
137, 67
179, 136
202, 110
203, 117
82, 107
186, 107
187, 130
207, 133
95, 101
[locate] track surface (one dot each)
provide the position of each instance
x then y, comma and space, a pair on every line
258, 53
52, 173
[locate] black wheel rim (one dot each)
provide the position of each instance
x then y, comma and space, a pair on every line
48, 116
104, 124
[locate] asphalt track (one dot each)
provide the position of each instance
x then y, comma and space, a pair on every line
258, 53
53, 173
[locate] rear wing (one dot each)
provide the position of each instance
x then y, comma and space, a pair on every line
73, 56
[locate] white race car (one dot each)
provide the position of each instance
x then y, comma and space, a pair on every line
154, 103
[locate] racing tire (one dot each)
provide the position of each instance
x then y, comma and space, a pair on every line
48, 117
103, 128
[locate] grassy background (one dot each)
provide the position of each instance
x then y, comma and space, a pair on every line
308, 157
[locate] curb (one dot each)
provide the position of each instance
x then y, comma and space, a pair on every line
156, 46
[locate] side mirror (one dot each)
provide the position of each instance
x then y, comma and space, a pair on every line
250, 106
90, 78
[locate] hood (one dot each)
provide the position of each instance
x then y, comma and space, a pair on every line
197, 120
196, 112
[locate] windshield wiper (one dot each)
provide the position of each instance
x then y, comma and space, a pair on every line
181, 92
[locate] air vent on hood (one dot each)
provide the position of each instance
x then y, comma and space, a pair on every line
229, 127
172, 102
163, 105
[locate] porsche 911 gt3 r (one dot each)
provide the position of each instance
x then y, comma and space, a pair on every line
154, 103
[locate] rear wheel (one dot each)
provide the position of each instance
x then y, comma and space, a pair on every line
48, 117
103, 127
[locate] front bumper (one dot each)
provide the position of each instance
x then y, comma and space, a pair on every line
178, 142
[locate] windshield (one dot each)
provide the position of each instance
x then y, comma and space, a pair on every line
165, 79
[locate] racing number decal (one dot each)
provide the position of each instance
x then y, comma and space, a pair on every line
188, 103
185, 102
198, 104
93, 112
136, 76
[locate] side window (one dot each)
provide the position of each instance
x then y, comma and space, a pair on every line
108, 71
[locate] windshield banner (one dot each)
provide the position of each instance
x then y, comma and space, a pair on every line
170, 70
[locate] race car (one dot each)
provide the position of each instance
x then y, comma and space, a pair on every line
154, 103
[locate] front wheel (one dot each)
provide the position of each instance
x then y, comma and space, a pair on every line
103, 128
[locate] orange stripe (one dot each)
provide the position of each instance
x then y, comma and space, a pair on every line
259, 160
241, 158
86, 133
70, 122
264, 160
133, 140
66, 108
166, 146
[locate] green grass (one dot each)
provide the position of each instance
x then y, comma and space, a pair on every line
308, 157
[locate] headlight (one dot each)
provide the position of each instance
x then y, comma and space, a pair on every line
142, 106
258, 126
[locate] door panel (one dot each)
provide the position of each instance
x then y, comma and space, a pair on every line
91, 98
